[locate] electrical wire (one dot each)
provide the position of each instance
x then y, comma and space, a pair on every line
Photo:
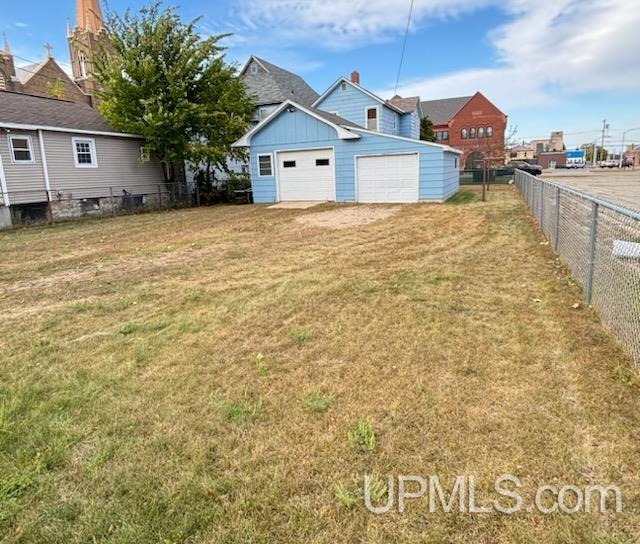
404, 47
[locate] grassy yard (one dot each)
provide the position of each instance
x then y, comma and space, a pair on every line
230, 374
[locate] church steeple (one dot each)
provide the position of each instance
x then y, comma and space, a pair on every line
89, 16
6, 51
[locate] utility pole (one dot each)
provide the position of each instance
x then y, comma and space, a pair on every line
605, 127
594, 151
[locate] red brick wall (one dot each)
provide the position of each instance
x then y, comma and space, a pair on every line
476, 113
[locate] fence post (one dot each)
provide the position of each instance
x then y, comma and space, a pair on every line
588, 288
556, 242
113, 202
542, 206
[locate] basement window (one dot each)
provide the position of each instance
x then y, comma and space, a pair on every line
322, 162
21, 150
289, 164
265, 167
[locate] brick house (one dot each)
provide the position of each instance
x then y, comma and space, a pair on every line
470, 123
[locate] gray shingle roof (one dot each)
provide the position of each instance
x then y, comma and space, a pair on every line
277, 85
24, 109
407, 105
332, 118
441, 111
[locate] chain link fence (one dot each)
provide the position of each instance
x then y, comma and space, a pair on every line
600, 243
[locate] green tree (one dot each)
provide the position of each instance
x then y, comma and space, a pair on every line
426, 130
161, 79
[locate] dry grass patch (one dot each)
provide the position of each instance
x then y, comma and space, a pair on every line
220, 375
344, 217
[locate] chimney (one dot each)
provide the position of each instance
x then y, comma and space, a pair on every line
355, 77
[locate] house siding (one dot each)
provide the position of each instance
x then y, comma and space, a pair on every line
118, 167
297, 130
410, 125
351, 104
25, 182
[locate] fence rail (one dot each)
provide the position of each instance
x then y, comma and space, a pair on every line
600, 243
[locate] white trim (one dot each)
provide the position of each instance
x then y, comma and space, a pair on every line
366, 117
324, 148
19, 126
404, 139
358, 87
3, 185
258, 165
45, 167
92, 149
10, 138
355, 170
343, 133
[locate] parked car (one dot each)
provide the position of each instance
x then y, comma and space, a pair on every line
532, 169
608, 164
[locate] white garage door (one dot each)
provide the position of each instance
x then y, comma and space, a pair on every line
306, 175
388, 178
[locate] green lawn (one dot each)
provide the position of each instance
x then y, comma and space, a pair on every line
230, 374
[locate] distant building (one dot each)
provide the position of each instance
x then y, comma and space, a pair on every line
554, 143
576, 158
633, 154
470, 123
552, 160
522, 152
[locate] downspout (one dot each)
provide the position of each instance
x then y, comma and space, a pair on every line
45, 171
3, 186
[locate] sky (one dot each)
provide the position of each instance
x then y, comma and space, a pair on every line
548, 64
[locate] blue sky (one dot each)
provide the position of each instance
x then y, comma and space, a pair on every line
549, 64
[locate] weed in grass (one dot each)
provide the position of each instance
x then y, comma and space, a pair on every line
299, 336
377, 488
80, 308
128, 328
50, 323
428, 400
624, 375
41, 345
141, 354
463, 197
346, 497
192, 296
361, 436
261, 365
316, 401
242, 411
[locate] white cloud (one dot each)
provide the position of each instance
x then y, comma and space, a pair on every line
551, 50
20, 25
548, 51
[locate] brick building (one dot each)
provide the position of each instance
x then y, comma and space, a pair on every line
470, 123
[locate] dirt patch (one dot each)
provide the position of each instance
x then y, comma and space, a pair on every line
347, 217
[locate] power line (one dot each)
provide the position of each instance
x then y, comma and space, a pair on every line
404, 46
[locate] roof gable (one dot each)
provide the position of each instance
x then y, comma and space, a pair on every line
364, 91
271, 84
340, 125
407, 105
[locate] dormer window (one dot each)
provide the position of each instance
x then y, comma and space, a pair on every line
372, 118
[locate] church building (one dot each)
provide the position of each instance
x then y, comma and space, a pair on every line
46, 78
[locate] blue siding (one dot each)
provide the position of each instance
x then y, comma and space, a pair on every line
297, 130
410, 125
451, 175
351, 105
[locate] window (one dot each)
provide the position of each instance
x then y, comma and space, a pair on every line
21, 150
3, 82
322, 162
489, 132
254, 68
265, 167
289, 164
343, 86
84, 153
472, 133
144, 155
442, 135
481, 132
455, 162
372, 118
463, 134
82, 64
